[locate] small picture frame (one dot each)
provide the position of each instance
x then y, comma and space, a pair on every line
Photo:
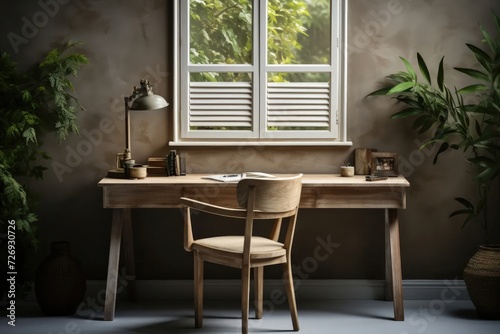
384, 163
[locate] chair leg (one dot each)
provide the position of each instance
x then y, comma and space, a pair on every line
245, 293
198, 290
258, 277
291, 295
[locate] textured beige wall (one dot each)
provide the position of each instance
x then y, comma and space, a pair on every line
129, 40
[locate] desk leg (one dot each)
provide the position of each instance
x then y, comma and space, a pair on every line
128, 247
393, 276
113, 261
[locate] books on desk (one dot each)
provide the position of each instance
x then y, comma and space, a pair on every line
235, 177
172, 165
175, 164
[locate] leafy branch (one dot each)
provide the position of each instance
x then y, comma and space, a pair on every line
31, 103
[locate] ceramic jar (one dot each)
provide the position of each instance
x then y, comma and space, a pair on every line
60, 282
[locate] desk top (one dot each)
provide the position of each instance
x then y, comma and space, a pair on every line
315, 180
318, 191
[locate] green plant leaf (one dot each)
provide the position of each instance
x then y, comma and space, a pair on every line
423, 68
489, 40
477, 88
444, 146
382, 91
429, 122
420, 121
409, 69
481, 161
399, 77
409, 100
13, 191
489, 173
482, 57
440, 76
479, 130
497, 20
30, 135
464, 202
401, 87
460, 212
473, 73
26, 96
408, 112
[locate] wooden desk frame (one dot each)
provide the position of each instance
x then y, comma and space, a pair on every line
318, 191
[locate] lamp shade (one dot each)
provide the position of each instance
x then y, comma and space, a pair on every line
149, 102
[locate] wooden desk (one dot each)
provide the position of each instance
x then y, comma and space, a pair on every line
318, 191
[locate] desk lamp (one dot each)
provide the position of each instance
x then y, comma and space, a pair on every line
142, 98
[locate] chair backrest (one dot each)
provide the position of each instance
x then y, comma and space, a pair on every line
277, 194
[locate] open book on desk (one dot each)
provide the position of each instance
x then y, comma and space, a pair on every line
235, 177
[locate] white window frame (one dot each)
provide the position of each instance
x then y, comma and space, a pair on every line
336, 136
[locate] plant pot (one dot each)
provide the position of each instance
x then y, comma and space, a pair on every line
347, 171
482, 277
138, 171
60, 283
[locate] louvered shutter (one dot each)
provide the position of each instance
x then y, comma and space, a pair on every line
304, 105
220, 106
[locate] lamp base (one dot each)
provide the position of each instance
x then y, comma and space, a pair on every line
116, 173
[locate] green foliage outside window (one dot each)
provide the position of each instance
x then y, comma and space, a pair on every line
298, 32
221, 32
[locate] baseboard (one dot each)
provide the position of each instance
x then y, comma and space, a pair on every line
305, 289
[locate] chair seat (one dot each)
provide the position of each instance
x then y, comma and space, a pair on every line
261, 248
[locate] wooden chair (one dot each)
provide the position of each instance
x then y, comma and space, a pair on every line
259, 198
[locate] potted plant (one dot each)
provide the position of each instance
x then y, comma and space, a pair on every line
465, 120
32, 102
346, 169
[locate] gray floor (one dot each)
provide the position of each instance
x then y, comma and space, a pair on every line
324, 316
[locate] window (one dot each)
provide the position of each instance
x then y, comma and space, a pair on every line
268, 71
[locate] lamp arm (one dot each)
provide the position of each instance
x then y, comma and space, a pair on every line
143, 91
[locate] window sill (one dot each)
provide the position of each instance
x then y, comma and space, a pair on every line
258, 143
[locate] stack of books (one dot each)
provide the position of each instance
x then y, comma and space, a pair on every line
156, 166
175, 164
172, 165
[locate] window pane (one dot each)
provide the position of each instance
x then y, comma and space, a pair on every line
298, 32
220, 31
298, 77
220, 77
